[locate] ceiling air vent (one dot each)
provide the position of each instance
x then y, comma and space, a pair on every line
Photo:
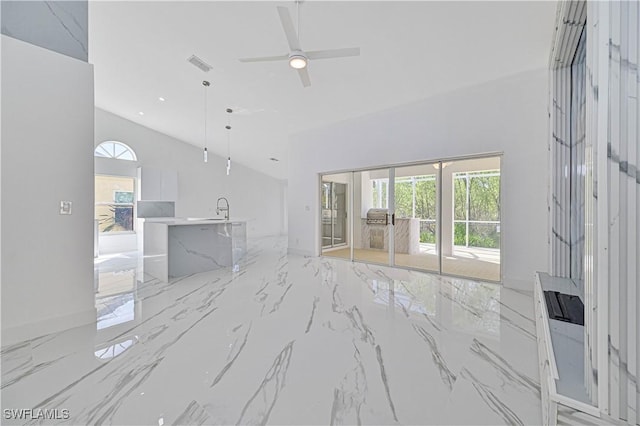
193, 59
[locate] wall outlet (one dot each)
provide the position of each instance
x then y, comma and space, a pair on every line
65, 207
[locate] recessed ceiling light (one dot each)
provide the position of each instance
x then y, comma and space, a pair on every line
273, 159
161, 99
141, 113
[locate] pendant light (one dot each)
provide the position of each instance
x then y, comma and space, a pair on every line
206, 84
228, 127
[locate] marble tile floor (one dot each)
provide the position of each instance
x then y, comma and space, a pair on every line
478, 265
288, 340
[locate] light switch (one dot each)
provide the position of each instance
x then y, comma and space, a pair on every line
65, 207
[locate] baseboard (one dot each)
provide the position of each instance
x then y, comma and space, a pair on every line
20, 333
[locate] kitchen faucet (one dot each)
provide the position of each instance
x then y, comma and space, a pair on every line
224, 209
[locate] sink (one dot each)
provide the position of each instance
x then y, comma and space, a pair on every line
205, 218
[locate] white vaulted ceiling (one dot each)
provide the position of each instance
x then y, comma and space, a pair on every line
409, 51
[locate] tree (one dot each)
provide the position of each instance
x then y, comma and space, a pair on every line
484, 205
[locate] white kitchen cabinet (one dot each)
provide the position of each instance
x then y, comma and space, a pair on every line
157, 184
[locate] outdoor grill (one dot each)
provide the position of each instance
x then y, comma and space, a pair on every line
378, 217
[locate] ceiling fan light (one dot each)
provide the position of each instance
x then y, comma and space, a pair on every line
297, 62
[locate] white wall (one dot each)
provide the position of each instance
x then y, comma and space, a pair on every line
508, 115
47, 156
252, 195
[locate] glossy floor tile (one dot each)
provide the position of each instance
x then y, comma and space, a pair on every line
285, 340
473, 263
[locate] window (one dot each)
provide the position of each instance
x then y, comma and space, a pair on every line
445, 217
117, 150
114, 203
477, 209
416, 198
380, 196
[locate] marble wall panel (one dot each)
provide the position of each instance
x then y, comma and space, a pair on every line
61, 26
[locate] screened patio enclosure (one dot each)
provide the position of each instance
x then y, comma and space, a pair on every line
443, 217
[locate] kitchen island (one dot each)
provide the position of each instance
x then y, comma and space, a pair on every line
175, 247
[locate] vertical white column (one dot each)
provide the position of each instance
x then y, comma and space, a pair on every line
561, 155
632, 188
391, 191
352, 213
590, 265
601, 45
356, 211
616, 291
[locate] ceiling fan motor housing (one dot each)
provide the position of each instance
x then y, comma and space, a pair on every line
298, 60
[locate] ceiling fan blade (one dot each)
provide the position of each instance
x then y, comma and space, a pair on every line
265, 58
333, 53
289, 30
304, 77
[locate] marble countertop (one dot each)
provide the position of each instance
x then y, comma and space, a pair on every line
175, 221
559, 284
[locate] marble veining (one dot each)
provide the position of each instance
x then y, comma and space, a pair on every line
81, 38
316, 299
194, 414
350, 396
62, 26
492, 401
448, 377
288, 340
233, 359
257, 410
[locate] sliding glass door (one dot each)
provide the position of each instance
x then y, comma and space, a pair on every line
372, 226
416, 224
441, 217
334, 214
472, 247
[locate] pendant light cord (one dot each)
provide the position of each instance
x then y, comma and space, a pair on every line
205, 115
229, 133
228, 127
206, 84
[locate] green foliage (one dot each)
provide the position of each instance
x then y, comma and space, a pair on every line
484, 199
404, 199
484, 235
459, 231
428, 232
477, 240
427, 237
480, 235
426, 198
460, 199
483, 205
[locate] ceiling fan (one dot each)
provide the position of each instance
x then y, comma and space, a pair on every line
298, 58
